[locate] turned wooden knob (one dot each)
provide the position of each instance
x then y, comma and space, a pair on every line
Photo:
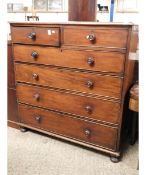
34, 55
87, 132
91, 37
88, 108
90, 84
38, 119
32, 35
90, 61
35, 76
36, 97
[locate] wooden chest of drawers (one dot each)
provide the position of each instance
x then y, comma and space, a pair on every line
71, 80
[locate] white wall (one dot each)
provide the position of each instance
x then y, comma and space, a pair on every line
119, 17
25, 2
102, 17
63, 17
49, 17
43, 17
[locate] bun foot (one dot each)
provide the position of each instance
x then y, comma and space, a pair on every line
114, 159
23, 129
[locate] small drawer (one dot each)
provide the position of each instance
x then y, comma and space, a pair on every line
36, 35
70, 127
96, 109
93, 83
99, 37
81, 59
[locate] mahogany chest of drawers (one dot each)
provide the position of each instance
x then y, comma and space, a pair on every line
71, 80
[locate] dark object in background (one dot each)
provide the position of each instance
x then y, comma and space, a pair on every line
134, 107
82, 10
102, 8
34, 18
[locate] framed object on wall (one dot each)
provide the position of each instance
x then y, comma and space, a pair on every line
18, 7
40, 5
55, 5
127, 6
10, 7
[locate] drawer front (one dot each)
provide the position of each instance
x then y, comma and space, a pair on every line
36, 35
98, 84
69, 127
97, 109
105, 37
90, 60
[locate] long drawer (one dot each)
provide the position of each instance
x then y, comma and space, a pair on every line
69, 127
99, 37
78, 104
36, 35
97, 84
81, 59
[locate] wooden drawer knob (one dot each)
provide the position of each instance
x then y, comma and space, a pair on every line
91, 37
32, 35
88, 109
35, 76
34, 55
87, 132
90, 84
36, 97
38, 119
90, 61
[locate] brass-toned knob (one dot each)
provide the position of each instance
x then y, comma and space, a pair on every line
38, 119
35, 76
88, 109
90, 84
90, 61
32, 35
34, 55
87, 132
91, 37
36, 97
